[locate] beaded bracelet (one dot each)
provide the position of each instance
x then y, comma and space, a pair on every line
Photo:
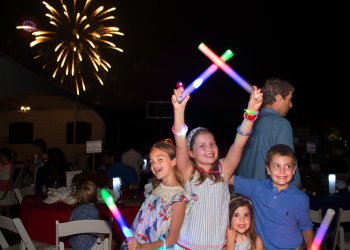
182, 132
243, 133
250, 112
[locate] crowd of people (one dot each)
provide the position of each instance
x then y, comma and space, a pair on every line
249, 199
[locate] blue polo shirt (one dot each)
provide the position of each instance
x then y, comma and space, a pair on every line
269, 129
280, 217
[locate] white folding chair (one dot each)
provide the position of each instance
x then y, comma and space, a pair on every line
316, 218
341, 237
16, 226
84, 227
22, 192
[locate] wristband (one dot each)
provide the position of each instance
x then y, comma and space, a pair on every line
250, 112
243, 133
249, 117
182, 132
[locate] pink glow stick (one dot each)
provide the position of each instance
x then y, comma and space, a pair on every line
204, 76
316, 243
223, 66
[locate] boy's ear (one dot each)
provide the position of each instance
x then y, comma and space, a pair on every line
268, 170
278, 97
173, 162
191, 154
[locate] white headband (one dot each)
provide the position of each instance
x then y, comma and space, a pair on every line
193, 131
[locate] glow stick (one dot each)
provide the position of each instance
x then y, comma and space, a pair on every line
227, 69
204, 76
316, 243
108, 199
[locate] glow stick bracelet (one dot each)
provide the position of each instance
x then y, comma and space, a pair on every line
316, 243
223, 66
204, 76
108, 199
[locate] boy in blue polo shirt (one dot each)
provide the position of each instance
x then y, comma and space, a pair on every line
281, 210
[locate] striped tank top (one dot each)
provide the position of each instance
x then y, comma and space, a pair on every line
205, 225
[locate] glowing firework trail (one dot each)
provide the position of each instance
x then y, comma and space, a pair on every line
204, 76
108, 199
227, 69
76, 36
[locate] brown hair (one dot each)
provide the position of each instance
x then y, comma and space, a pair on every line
168, 147
216, 177
280, 149
87, 192
273, 87
242, 201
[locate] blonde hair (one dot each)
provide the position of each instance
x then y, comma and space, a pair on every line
87, 192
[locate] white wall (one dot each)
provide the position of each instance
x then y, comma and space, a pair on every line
50, 125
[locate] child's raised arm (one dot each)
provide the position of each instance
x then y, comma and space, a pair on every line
234, 154
179, 129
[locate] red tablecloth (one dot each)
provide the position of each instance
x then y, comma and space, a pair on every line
39, 218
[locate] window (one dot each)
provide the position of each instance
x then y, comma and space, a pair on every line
21, 133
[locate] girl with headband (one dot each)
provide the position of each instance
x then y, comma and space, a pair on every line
206, 175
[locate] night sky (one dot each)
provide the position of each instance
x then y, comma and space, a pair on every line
303, 43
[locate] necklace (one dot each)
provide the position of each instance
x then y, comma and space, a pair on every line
208, 171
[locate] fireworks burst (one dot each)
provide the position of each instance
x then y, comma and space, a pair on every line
77, 34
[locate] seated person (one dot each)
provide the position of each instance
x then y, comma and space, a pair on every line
114, 169
7, 195
53, 173
86, 210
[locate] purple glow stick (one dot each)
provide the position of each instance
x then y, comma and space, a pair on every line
204, 76
316, 243
227, 69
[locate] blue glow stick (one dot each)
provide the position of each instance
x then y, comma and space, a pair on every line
204, 76
108, 199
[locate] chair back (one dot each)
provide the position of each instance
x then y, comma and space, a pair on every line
6, 223
16, 226
316, 216
84, 227
22, 192
340, 238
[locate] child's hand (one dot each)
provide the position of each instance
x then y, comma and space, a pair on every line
255, 100
174, 99
133, 244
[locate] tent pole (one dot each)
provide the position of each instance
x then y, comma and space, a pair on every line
75, 131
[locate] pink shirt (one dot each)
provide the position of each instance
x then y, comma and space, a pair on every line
6, 172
